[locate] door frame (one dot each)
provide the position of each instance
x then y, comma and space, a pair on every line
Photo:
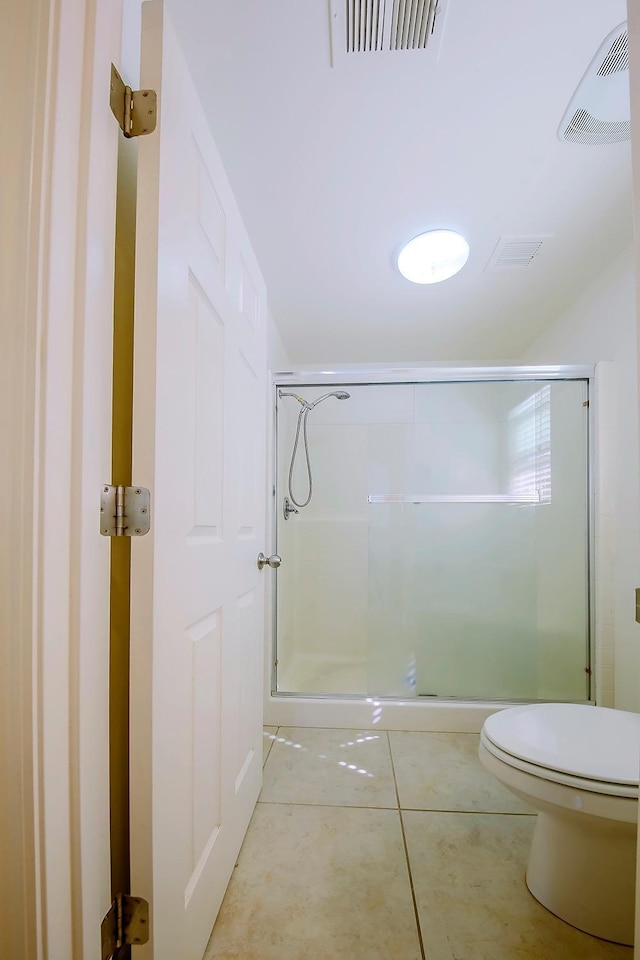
57, 297
633, 17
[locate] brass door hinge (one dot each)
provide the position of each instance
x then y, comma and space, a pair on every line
135, 110
126, 922
125, 511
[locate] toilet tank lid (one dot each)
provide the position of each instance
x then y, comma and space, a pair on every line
596, 743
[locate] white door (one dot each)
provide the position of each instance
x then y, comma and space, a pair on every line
199, 445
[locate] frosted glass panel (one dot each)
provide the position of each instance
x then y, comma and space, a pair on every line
444, 552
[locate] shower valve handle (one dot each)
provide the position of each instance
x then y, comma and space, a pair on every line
273, 561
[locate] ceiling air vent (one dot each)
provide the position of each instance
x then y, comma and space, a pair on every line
599, 109
617, 58
515, 252
385, 26
585, 128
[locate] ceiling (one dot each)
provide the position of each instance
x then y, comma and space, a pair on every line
335, 167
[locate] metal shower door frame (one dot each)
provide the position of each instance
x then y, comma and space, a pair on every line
438, 373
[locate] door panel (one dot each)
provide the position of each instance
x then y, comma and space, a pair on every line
199, 444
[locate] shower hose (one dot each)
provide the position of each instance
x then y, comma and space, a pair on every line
302, 422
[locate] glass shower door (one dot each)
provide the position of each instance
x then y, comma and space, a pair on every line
445, 552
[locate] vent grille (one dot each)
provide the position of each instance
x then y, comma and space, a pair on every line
585, 128
378, 26
617, 60
599, 111
365, 25
412, 24
513, 252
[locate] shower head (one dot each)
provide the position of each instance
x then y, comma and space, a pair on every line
339, 394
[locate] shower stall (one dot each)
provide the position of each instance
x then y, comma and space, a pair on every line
434, 529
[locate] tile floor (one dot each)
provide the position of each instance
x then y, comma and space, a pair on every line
376, 846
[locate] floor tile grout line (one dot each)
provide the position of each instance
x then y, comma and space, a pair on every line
273, 740
406, 853
364, 806
482, 813
328, 806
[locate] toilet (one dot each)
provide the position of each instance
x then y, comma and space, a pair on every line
578, 766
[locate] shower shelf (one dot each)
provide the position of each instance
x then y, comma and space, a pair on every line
453, 498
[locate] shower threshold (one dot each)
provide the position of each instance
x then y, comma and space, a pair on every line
428, 714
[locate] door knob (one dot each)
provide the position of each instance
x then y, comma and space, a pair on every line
273, 561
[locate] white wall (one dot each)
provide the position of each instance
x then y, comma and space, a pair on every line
277, 356
601, 326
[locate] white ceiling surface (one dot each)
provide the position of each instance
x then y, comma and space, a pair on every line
334, 168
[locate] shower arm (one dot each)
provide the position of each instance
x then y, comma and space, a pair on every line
305, 403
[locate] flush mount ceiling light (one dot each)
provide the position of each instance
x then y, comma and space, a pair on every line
433, 256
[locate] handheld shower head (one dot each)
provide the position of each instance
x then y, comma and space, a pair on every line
339, 394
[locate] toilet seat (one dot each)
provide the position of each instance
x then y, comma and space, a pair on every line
593, 749
546, 773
